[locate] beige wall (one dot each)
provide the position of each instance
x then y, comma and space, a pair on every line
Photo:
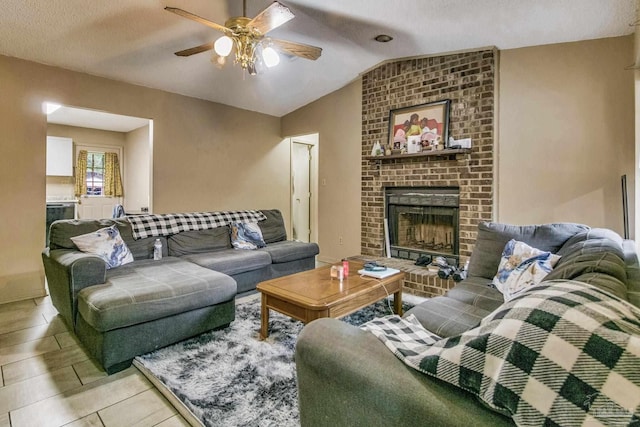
137, 166
87, 136
337, 119
207, 156
566, 133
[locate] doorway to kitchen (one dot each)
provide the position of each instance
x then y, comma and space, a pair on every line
304, 201
102, 140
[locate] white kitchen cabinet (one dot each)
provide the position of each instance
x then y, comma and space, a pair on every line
59, 156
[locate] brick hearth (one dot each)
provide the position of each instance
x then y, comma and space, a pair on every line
417, 280
468, 80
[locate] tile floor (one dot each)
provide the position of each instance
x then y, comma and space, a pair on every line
47, 378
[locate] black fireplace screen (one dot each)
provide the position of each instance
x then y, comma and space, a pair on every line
423, 222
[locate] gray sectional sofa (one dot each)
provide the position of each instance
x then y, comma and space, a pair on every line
126, 311
346, 376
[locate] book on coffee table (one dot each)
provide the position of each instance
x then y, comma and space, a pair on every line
379, 274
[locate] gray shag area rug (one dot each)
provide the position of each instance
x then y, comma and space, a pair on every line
229, 377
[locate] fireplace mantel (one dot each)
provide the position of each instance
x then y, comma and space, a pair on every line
435, 153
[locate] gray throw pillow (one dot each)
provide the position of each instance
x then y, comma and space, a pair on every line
492, 237
273, 229
62, 231
200, 241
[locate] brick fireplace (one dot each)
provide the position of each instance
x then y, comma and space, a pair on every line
468, 80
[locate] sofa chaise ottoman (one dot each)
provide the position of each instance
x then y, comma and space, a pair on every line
122, 312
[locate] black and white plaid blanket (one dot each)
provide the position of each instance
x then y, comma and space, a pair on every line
167, 224
562, 353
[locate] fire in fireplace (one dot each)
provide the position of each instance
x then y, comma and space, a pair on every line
423, 221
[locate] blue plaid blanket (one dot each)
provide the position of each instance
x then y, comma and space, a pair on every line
562, 353
166, 224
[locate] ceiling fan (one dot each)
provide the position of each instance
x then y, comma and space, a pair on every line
248, 37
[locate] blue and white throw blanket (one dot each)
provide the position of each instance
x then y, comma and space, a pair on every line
167, 224
561, 353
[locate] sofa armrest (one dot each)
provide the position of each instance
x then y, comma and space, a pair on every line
68, 271
346, 376
634, 290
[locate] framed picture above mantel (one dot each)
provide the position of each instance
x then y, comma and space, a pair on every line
414, 129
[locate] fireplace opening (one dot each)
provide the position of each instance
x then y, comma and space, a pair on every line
423, 221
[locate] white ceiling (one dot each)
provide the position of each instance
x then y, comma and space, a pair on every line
134, 41
95, 119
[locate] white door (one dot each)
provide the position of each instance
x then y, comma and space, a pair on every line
94, 205
301, 190
97, 207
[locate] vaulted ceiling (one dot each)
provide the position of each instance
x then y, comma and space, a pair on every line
135, 41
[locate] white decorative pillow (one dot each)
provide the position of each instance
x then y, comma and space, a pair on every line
522, 266
107, 244
246, 235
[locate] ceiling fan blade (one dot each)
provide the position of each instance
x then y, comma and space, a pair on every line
197, 49
272, 17
199, 19
297, 49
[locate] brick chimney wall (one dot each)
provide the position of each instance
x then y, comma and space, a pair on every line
468, 80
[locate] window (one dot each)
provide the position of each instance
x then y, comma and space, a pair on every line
95, 173
98, 172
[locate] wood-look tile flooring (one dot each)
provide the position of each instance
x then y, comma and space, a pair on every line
48, 379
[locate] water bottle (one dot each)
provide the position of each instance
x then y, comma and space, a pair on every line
157, 250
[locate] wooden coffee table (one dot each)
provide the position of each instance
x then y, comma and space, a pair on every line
313, 294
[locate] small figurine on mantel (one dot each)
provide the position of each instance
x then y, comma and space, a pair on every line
377, 149
387, 151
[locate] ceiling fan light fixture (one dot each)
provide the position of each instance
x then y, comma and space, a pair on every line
270, 57
246, 37
218, 60
223, 46
245, 47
